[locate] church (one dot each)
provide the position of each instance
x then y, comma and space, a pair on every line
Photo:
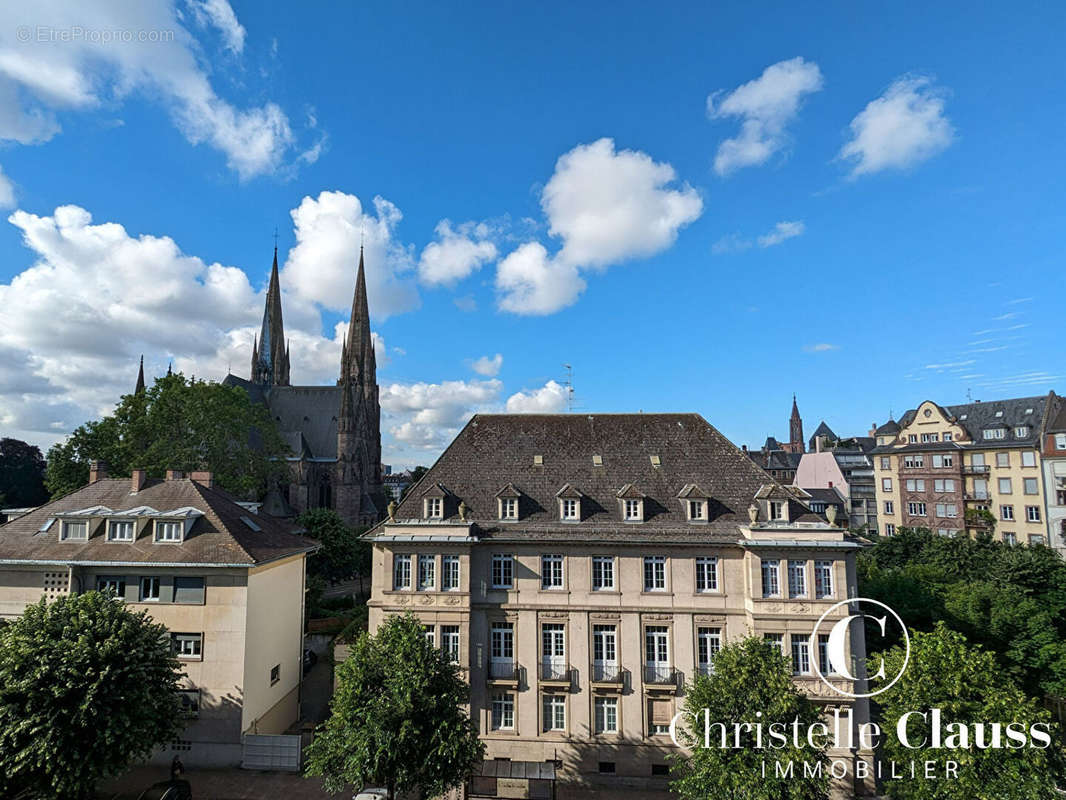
333, 432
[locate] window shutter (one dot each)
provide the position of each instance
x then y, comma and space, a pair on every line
661, 712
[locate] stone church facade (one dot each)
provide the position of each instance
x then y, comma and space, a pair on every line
333, 432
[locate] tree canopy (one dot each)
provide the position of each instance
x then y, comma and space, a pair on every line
968, 686
750, 676
21, 474
343, 553
87, 687
399, 717
179, 423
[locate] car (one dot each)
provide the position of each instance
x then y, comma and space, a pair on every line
168, 790
372, 793
310, 659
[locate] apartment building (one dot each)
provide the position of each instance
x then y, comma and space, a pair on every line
227, 583
1054, 464
940, 467
583, 568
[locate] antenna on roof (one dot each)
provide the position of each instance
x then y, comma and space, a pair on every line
569, 384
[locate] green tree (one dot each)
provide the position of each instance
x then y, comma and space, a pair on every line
343, 553
87, 687
750, 676
968, 687
399, 717
178, 424
21, 474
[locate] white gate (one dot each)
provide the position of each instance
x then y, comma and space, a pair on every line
270, 752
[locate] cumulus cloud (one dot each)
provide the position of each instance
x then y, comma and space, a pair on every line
321, 268
456, 253
489, 367
781, 232
903, 127
424, 417
605, 207
39, 80
765, 106
548, 399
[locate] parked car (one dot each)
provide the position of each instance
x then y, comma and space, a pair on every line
168, 790
310, 659
372, 793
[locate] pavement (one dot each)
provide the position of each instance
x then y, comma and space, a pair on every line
220, 784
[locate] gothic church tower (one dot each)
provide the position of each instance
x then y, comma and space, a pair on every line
270, 352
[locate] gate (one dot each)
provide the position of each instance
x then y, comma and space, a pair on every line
270, 752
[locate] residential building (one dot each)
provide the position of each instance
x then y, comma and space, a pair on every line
582, 569
965, 469
778, 463
845, 464
333, 432
1054, 467
228, 584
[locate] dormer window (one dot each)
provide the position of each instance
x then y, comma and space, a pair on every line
434, 508
633, 510
75, 531
1021, 431
994, 433
697, 510
508, 508
120, 530
169, 531
570, 508
694, 502
777, 510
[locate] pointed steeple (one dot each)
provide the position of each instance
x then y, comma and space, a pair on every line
795, 429
358, 363
170, 368
270, 358
140, 378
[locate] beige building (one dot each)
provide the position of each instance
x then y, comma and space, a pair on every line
940, 465
227, 583
583, 568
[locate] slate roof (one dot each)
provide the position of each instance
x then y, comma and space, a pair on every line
822, 430
1057, 419
306, 415
775, 459
496, 449
889, 427
218, 537
977, 417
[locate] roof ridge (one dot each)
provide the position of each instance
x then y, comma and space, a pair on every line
215, 518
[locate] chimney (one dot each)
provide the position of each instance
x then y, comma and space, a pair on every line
744, 447
817, 444
204, 478
873, 428
138, 478
97, 471
175, 474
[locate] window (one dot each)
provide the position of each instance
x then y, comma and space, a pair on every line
434, 507
914, 461
916, 509
551, 572
189, 700
449, 573
606, 721
554, 712
912, 438
930, 437
606, 767
947, 438
189, 591
886, 462
660, 712
994, 433
801, 654
509, 508
1021, 431
503, 712
938, 461
696, 510
427, 579
116, 584
501, 650
1028, 458
797, 578
945, 532
275, 674
1006, 513
75, 531
776, 639
1002, 459
401, 572
169, 532
889, 507
149, 589
502, 571
1060, 441
430, 634
602, 573
657, 654
187, 645
947, 510
777, 509
708, 643
949, 461
1036, 538
916, 485
890, 529
824, 667
449, 641
660, 769
946, 485
604, 653
771, 586
886, 484
120, 531
1032, 513
1010, 538
1030, 486
570, 508
633, 510
655, 574
706, 574
1004, 486
823, 577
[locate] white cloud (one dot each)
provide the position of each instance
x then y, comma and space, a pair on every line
765, 106
466, 303
904, 126
7, 191
219, 13
489, 367
548, 399
781, 232
606, 207
731, 243
422, 418
456, 253
821, 347
321, 268
41, 79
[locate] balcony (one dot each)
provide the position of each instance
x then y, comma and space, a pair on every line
976, 496
660, 676
607, 674
978, 469
556, 672
504, 672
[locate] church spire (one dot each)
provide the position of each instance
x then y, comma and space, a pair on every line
795, 429
140, 379
358, 363
270, 357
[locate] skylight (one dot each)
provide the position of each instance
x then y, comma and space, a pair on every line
247, 521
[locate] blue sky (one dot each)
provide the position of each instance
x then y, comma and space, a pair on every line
700, 207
